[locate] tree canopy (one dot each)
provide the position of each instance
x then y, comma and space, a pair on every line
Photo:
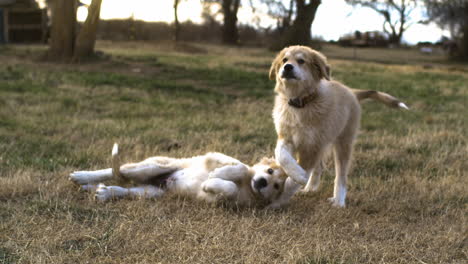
396, 14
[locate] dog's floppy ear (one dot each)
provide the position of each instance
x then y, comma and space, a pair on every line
275, 65
321, 65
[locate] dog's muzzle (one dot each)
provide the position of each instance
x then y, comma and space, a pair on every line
288, 72
260, 183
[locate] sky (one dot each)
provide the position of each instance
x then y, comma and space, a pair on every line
334, 18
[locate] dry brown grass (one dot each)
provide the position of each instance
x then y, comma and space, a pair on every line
407, 199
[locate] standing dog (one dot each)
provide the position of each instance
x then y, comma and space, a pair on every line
211, 177
311, 114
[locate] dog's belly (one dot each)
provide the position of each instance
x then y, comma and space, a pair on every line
186, 181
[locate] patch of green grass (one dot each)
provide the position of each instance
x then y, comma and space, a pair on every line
7, 257
36, 152
250, 83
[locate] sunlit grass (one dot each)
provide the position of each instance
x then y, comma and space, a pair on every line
407, 194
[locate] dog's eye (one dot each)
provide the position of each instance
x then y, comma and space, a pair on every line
270, 171
285, 60
300, 61
276, 186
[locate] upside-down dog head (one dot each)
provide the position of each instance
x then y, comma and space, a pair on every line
298, 70
268, 179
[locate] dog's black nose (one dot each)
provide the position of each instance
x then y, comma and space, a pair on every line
288, 67
261, 183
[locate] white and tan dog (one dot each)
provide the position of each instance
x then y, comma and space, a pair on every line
311, 114
211, 177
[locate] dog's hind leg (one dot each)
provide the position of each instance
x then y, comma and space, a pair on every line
314, 179
104, 193
149, 168
85, 177
139, 172
342, 152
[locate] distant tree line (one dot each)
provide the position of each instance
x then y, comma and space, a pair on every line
448, 14
452, 15
294, 21
396, 15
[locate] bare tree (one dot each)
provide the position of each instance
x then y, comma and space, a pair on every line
294, 20
230, 33
65, 45
394, 26
282, 12
229, 9
63, 29
452, 14
300, 31
176, 21
86, 39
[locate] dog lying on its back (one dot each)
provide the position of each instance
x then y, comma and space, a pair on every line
211, 177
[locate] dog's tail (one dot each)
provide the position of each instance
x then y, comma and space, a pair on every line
381, 97
116, 163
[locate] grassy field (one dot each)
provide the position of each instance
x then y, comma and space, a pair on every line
407, 198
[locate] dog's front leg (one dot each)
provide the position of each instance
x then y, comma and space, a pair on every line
288, 163
147, 169
290, 188
230, 172
216, 186
314, 179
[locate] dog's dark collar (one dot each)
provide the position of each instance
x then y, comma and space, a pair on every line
300, 102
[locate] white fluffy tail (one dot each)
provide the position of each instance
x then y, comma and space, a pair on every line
381, 97
116, 161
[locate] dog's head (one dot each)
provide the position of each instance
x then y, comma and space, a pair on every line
268, 179
300, 68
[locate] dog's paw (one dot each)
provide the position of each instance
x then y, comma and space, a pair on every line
310, 188
80, 177
300, 180
103, 193
337, 202
206, 188
89, 187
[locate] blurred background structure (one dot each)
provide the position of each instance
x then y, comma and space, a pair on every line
22, 21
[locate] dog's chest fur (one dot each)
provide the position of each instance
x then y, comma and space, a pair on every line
300, 125
319, 123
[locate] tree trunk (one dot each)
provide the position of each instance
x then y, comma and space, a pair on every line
464, 44
300, 31
463, 48
230, 34
63, 30
87, 36
176, 21
395, 38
